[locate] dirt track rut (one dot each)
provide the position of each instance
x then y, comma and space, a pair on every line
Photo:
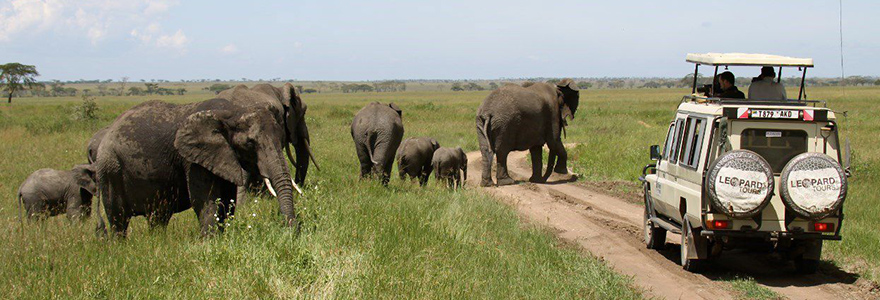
610, 228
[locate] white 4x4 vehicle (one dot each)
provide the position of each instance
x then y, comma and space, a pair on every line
736, 172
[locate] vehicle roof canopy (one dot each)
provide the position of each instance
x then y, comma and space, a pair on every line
747, 59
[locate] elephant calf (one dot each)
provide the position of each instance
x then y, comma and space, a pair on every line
450, 164
48, 192
414, 158
377, 130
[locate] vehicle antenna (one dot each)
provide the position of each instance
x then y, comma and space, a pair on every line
842, 73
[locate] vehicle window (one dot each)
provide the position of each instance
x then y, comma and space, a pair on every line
776, 146
679, 129
683, 140
669, 138
696, 143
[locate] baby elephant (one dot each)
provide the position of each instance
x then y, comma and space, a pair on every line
48, 192
414, 158
447, 163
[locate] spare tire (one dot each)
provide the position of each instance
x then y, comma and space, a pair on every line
813, 185
739, 183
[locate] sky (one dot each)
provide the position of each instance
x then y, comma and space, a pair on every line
451, 39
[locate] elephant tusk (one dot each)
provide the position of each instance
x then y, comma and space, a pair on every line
309, 149
296, 186
289, 156
269, 185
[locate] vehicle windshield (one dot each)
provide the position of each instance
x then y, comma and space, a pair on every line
776, 146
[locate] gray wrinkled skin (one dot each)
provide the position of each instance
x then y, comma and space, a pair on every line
450, 165
48, 192
158, 159
377, 130
518, 118
414, 158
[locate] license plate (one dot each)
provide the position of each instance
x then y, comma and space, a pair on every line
774, 114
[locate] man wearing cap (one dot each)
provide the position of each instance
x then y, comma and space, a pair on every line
728, 87
764, 88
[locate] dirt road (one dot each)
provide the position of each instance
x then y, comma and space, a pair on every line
610, 228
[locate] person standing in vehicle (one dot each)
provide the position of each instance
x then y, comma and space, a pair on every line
728, 87
764, 88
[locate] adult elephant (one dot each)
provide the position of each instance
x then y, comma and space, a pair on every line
289, 111
377, 130
518, 118
158, 158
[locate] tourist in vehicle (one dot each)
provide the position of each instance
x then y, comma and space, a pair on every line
728, 86
764, 88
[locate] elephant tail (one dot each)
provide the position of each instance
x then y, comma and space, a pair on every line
371, 143
483, 130
20, 210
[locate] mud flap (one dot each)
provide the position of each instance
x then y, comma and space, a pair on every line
698, 245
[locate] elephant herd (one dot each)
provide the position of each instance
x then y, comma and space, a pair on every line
157, 158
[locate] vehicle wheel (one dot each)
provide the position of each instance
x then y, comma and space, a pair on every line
655, 236
688, 264
806, 266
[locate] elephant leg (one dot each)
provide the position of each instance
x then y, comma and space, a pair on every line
117, 216
486, 157
159, 219
74, 209
364, 158
206, 191
425, 174
537, 164
501, 173
562, 163
551, 161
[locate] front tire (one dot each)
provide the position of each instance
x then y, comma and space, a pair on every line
655, 236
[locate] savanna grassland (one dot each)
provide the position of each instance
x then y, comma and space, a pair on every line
359, 240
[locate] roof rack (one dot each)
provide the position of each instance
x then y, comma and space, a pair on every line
723, 101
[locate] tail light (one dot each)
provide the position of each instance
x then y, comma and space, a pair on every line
823, 227
718, 224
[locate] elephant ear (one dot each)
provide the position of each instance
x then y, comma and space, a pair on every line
201, 141
435, 144
85, 178
288, 95
569, 96
395, 108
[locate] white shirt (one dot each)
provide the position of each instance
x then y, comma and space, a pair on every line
766, 89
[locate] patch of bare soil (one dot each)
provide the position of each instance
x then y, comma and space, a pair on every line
610, 228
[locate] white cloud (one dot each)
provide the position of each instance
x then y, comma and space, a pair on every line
94, 20
177, 41
229, 49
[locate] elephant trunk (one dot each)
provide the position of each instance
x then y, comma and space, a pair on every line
278, 175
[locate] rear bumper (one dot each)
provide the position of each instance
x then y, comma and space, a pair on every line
771, 235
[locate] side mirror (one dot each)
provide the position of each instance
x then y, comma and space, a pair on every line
655, 152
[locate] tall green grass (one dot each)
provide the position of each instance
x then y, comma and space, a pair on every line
359, 240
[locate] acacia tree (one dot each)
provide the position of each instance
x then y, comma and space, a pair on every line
15, 76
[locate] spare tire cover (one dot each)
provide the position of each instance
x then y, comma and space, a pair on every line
813, 185
740, 183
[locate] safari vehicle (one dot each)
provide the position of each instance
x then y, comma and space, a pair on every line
744, 173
